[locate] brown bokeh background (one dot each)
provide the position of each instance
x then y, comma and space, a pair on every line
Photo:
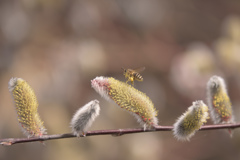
58, 46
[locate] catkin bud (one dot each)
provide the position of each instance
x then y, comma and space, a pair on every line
84, 117
129, 98
26, 106
218, 101
191, 121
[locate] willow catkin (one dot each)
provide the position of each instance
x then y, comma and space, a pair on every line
191, 121
84, 117
218, 101
128, 98
27, 107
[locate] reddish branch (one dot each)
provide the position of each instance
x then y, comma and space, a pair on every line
115, 132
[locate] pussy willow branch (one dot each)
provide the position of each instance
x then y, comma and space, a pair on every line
114, 132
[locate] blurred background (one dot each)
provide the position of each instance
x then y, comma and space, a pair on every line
58, 46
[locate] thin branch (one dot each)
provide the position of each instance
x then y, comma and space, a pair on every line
114, 132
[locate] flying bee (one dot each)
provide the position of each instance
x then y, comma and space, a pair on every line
133, 74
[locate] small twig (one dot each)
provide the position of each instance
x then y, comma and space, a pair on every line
115, 132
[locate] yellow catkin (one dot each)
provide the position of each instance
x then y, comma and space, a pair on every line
191, 121
26, 107
222, 105
128, 98
219, 102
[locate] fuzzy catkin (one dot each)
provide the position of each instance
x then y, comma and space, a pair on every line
128, 98
191, 121
219, 101
26, 106
84, 117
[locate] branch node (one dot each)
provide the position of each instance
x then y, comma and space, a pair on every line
119, 133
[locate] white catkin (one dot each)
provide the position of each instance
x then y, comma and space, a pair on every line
84, 117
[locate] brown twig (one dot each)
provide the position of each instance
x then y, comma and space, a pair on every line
115, 132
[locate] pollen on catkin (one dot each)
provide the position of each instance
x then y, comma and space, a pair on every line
191, 121
26, 107
218, 101
128, 98
84, 117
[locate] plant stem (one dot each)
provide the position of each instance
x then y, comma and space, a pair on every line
114, 132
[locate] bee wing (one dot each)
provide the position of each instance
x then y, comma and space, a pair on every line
124, 70
140, 69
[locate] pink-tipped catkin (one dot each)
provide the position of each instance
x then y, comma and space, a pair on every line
191, 121
129, 98
219, 102
26, 106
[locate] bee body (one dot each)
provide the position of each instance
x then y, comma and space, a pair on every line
137, 76
132, 74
